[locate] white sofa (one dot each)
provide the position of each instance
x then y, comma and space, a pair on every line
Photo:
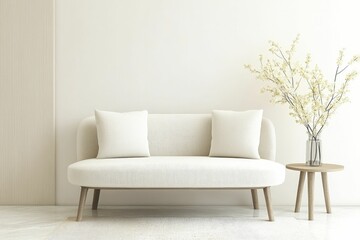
179, 147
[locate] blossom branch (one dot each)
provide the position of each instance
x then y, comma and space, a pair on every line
311, 108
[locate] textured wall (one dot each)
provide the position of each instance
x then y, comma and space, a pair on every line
27, 121
187, 56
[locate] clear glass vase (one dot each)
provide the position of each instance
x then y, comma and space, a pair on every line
313, 151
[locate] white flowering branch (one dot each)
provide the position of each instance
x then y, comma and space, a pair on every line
312, 99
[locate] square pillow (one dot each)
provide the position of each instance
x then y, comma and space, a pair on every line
236, 134
122, 134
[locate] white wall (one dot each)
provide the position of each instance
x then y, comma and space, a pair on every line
187, 57
27, 111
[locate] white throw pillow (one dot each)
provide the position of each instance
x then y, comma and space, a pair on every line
236, 134
122, 134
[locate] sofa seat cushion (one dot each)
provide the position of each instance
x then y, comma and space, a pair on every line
176, 172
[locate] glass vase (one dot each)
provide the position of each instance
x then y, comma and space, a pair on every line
313, 151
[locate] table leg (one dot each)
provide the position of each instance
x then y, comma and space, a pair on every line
326, 191
311, 176
299, 191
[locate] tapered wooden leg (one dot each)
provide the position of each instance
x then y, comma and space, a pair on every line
82, 201
96, 199
255, 200
268, 203
311, 177
299, 191
326, 191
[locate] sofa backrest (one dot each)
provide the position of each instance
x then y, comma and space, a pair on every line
174, 135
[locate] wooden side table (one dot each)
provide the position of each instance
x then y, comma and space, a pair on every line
303, 168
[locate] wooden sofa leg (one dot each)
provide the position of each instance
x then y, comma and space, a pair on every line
268, 203
255, 200
82, 201
96, 199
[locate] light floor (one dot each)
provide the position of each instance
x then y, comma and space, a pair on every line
196, 222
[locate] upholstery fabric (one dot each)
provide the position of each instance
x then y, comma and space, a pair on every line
122, 134
179, 134
174, 135
236, 134
176, 172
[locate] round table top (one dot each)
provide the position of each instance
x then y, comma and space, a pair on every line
324, 167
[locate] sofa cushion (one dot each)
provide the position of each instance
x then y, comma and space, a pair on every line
174, 135
176, 172
122, 134
236, 134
